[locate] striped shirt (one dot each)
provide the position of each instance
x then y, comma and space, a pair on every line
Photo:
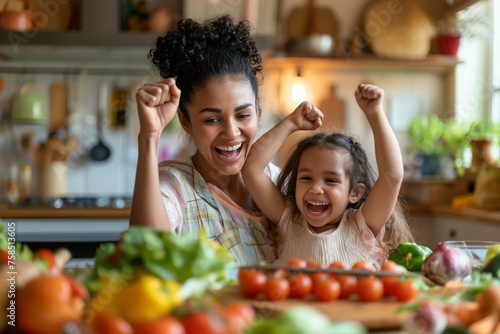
192, 204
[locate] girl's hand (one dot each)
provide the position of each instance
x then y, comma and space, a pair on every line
369, 98
157, 104
306, 116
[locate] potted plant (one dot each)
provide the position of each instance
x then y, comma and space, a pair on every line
426, 136
456, 140
478, 136
482, 136
464, 24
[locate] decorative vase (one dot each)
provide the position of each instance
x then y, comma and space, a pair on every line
448, 44
481, 153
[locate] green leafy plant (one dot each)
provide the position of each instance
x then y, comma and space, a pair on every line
426, 134
480, 130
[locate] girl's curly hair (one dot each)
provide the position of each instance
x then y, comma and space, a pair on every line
195, 52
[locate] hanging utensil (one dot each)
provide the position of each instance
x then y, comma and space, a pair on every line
100, 151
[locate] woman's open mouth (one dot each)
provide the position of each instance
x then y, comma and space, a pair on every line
229, 153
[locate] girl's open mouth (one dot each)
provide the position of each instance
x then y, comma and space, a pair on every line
317, 207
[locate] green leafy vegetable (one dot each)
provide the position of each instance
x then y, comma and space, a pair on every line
197, 263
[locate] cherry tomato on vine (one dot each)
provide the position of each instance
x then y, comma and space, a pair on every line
390, 281
370, 288
251, 282
277, 289
301, 285
297, 263
348, 285
338, 265
327, 290
363, 265
405, 290
319, 276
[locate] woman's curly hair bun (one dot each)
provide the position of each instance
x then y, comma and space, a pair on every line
185, 47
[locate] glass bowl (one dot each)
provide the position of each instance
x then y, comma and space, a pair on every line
476, 250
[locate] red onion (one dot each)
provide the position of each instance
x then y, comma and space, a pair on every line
429, 319
446, 263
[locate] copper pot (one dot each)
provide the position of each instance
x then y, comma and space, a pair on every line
21, 20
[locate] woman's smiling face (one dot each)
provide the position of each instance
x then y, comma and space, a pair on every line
223, 123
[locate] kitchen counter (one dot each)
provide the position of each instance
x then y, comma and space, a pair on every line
47, 212
463, 213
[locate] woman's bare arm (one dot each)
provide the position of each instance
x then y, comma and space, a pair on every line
156, 104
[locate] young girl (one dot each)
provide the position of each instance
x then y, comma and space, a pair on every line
327, 203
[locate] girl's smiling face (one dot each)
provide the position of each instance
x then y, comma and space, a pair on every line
323, 186
223, 123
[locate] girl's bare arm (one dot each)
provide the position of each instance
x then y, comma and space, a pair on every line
265, 193
382, 199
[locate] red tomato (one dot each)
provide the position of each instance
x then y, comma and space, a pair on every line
391, 266
279, 273
370, 289
251, 282
238, 316
338, 265
297, 263
163, 325
4, 256
77, 288
311, 264
348, 285
47, 257
363, 265
405, 290
204, 323
301, 285
277, 289
45, 303
390, 281
105, 323
327, 290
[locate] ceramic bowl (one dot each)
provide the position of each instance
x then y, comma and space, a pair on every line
318, 45
476, 250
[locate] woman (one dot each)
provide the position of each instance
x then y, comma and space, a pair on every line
215, 94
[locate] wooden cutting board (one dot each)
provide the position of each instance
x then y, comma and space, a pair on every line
334, 110
373, 315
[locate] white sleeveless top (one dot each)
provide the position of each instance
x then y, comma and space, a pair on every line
350, 242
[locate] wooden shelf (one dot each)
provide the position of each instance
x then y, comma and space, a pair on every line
433, 63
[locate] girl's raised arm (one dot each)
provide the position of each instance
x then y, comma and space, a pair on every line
382, 199
265, 193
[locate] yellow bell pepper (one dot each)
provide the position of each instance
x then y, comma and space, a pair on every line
147, 298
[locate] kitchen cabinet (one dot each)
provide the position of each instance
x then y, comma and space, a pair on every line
431, 229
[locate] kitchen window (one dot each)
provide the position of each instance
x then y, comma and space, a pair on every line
495, 64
